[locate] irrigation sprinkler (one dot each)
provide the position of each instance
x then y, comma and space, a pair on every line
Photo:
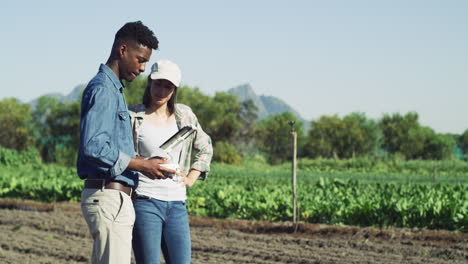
294, 153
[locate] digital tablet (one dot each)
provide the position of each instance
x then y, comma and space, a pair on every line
177, 138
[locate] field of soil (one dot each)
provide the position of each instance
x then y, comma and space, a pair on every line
33, 232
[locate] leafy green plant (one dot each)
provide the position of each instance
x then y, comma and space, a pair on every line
344, 192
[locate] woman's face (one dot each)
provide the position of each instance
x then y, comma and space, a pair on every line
161, 91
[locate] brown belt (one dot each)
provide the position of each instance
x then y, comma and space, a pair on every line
97, 184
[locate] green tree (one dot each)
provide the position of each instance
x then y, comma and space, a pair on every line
223, 118
352, 136
218, 115
274, 137
65, 125
135, 89
404, 135
437, 146
223, 113
361, 137
245, 138
198, 101
56, 130
225, 152
42, 132
325, 137
14, 120
463, 142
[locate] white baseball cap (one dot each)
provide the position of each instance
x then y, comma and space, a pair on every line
165, 69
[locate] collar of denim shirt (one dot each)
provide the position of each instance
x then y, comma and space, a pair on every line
117, 83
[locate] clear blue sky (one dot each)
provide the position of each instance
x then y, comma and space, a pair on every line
321, 57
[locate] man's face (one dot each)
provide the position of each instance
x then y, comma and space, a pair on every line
133, 62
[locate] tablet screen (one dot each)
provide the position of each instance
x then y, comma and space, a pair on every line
177, 138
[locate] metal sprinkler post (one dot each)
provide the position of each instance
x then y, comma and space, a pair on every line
294, 153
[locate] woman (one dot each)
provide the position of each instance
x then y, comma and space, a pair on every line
161, 214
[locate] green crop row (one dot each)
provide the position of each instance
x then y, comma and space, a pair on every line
333, 201
264, 193
13, 158
46, 183
368, 165
282, 173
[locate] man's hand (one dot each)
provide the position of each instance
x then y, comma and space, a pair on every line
151, 167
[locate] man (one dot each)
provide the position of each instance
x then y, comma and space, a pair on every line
106, 157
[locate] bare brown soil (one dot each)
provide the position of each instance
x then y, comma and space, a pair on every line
32, 232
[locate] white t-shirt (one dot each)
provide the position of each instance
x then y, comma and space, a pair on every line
149, 139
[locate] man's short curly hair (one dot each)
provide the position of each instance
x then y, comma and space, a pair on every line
136, 31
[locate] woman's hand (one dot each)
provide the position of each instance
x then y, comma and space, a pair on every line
190, 179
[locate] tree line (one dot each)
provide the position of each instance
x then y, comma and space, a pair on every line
52, 127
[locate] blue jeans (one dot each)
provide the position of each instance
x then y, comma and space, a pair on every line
161, 225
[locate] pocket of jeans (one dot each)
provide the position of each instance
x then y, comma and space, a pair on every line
140, 197
181, 204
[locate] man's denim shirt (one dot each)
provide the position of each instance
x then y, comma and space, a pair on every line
106, 143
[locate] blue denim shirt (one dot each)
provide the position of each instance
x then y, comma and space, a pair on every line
106, 142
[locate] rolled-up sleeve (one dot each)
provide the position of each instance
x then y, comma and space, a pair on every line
203, 150
97, 129
121, 164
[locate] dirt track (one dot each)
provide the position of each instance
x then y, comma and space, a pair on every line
61, 236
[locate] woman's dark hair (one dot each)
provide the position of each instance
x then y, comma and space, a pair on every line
147, 97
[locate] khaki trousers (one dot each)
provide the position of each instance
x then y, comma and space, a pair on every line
110, 217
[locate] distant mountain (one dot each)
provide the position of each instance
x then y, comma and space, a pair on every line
74, 95
245, 92
275, 106
267, 105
